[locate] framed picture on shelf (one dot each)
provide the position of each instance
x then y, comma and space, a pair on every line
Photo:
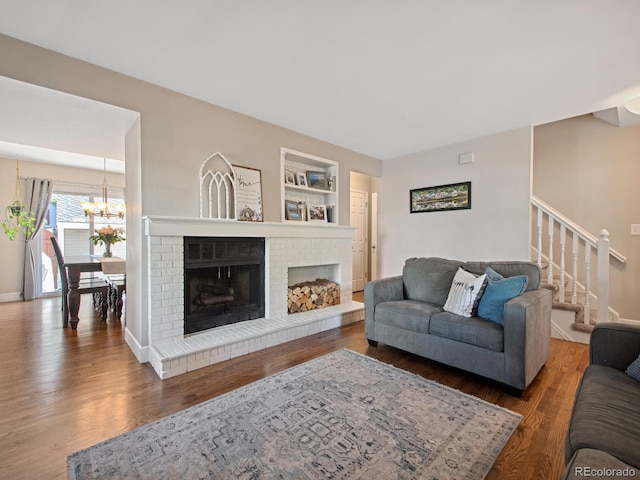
317, 213
317, 180
455, 196
302, 179
289, 177
292, 210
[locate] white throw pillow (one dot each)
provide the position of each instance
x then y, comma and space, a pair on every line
463, 292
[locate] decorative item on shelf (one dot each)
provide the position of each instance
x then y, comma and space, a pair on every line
317, 180
332, 183
330, 213
292, 210
302, 179
302, 207
248, 194
104, 208
317, 213
17, 218
289, 177
107, 236
455, 196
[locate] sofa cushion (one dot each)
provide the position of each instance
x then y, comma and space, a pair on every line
464, 292
497, 293
406, 314
475, 331
428, 279
606, 415
509, 269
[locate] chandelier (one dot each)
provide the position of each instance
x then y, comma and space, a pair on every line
103, 208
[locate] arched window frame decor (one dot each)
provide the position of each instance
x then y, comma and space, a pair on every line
217, 180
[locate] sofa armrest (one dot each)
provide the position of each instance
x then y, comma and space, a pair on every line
614, 345
377, 291
527, 336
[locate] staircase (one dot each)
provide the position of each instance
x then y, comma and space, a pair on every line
575, 295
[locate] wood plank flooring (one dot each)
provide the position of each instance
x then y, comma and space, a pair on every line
63, 390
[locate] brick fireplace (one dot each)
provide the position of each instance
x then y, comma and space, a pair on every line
287, 247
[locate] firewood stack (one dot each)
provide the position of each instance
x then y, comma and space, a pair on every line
307, 296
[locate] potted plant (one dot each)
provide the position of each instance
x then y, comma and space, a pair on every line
107, 236
18, 219
16, 216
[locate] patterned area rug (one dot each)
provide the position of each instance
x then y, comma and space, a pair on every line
341, 416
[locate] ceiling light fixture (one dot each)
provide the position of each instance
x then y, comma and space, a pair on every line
633, 106
103, 208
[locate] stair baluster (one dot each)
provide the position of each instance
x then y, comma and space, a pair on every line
563, 241
540, 223
574, 277
603, 276
550, 267
587, 283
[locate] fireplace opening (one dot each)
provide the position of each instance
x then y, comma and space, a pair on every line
223, 281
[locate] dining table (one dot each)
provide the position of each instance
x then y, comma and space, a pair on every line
75, 265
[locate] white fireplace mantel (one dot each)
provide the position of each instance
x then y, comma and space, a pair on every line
195, 227
288, 244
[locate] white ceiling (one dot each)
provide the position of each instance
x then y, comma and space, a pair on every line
380, 77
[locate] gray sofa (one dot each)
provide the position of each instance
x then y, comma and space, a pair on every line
604, 430
407, 312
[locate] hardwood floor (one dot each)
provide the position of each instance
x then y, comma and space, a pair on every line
64, 390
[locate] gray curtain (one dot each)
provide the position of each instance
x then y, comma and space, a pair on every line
37, 199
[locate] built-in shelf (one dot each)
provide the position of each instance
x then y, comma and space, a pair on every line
302, 203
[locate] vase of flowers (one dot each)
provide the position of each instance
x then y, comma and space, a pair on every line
107, 236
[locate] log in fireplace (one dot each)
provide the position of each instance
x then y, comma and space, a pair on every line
223, 281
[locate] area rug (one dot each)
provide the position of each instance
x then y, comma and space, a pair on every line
341, 416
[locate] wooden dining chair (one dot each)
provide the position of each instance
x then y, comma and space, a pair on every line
114, 271
88, 284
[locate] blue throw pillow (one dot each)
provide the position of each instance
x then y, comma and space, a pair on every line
499, 292
492, 274
633, 370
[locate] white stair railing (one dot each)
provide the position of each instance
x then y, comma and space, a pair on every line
561, 227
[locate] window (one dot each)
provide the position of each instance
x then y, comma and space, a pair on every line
67, 222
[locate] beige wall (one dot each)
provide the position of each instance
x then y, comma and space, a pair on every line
12, 252
495, 228
590, 170
177, 133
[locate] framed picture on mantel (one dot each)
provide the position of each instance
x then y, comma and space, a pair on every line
248, 194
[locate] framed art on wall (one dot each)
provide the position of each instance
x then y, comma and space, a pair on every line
455, 196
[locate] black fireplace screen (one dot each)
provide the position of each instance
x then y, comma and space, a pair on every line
223, 281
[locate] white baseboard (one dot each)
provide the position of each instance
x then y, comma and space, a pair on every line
141, 353
10, 297
561, 321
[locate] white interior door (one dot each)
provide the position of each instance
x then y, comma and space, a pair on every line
374, 236
359, 246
